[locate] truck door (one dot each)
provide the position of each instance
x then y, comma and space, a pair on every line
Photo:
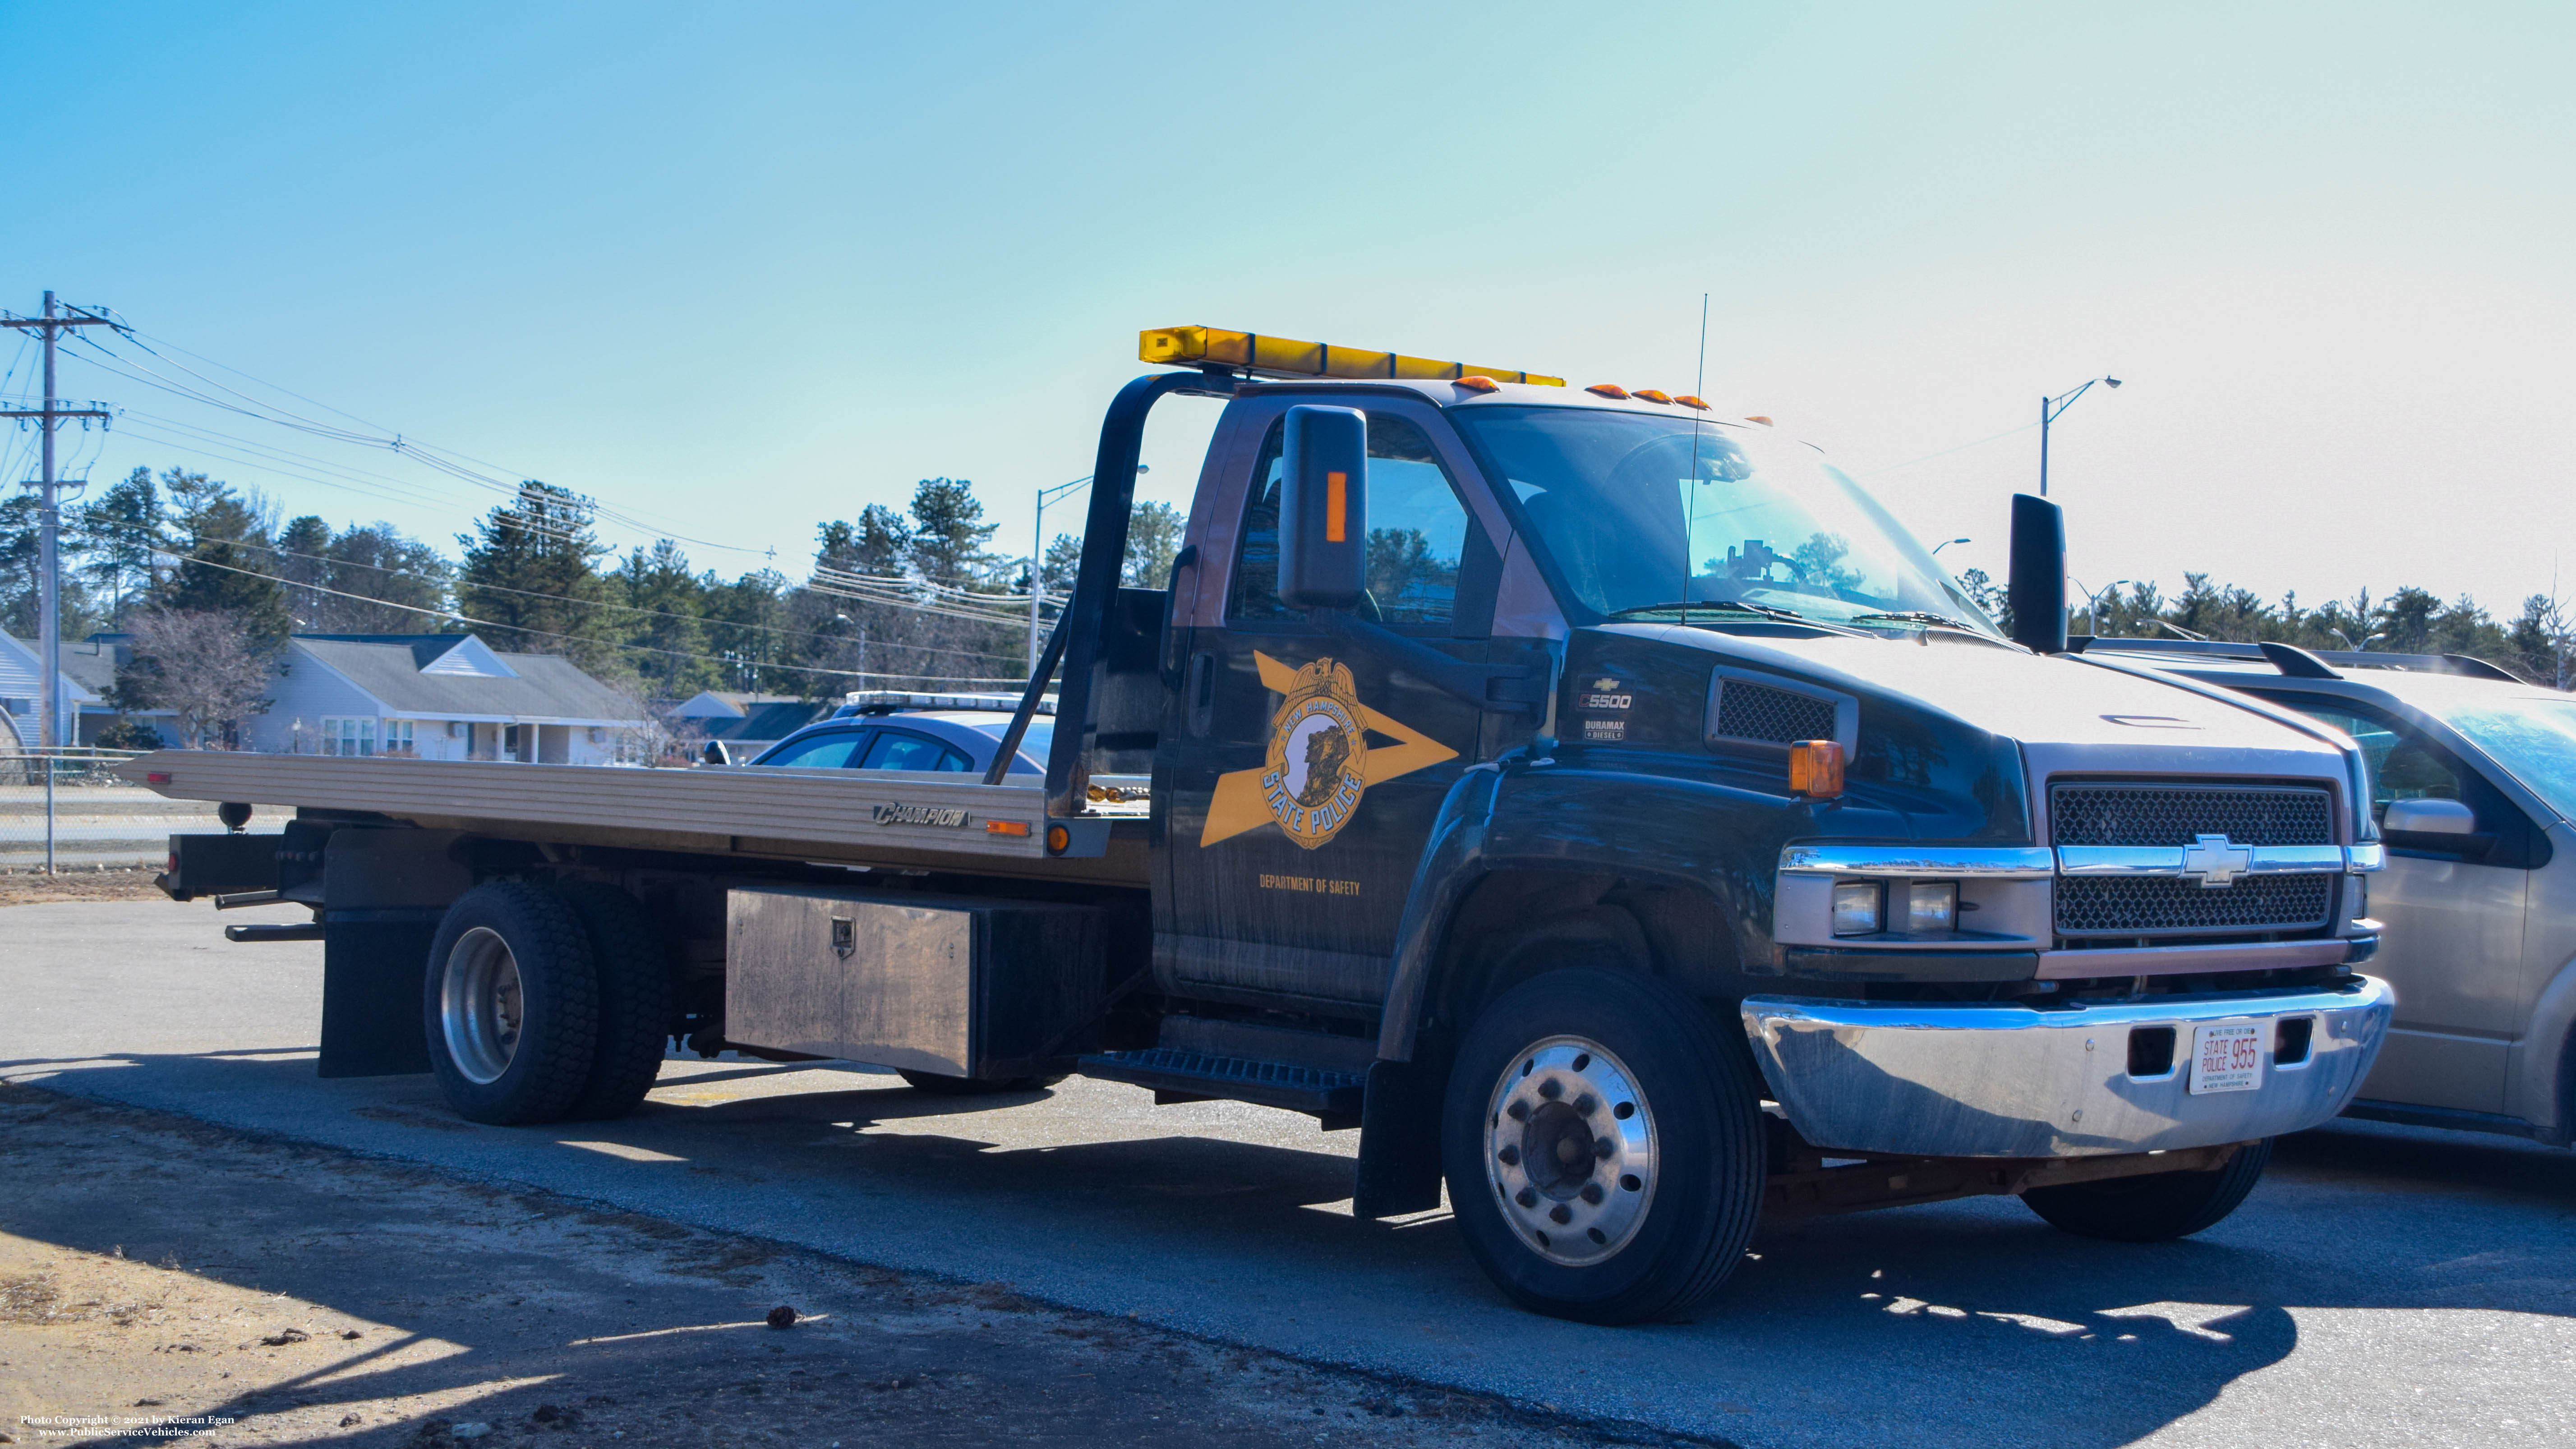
1302, 779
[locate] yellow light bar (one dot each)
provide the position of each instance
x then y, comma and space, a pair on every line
1279, 357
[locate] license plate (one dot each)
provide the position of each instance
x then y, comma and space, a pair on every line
2226, 1058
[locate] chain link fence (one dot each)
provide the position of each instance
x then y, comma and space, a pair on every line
66, 809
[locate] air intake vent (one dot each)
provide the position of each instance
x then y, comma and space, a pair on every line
1746, 711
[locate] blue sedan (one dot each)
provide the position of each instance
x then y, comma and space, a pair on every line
961, 740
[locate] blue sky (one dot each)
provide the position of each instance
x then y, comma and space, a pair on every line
735, 269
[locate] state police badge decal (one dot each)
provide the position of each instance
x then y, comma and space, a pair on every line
1317, 766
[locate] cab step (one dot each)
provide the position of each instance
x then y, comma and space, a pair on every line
1179, 1074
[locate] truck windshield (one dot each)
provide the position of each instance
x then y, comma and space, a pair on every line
1641, 514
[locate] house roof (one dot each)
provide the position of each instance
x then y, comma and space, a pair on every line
91, 662
20, 668
726, 704
457, 676
765, 722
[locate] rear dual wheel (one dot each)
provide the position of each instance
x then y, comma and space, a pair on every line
1603, 1147
544, 1003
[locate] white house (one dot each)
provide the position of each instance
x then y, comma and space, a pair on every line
20, 669
437, 697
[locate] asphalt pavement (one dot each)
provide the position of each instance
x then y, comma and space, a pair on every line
2384, 1286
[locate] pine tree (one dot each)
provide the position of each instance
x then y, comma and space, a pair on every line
116, 536
530, 573
658, 579
227, 559
949, 533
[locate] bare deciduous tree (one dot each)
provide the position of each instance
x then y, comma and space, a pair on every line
201, 665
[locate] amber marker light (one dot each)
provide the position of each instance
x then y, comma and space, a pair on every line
1607, 389
1816, 769
1758, 418
1007, 827
1648, 394
1059, 840
1337, 507
1478, 384
1686, 400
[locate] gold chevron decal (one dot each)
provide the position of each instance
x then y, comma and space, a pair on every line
1319, 763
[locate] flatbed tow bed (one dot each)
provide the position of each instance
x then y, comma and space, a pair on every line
891, 819
1418, 802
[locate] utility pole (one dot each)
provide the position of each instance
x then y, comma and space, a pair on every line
49, 615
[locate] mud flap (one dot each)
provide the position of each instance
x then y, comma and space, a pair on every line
384, 893
373, 969
1399, 1169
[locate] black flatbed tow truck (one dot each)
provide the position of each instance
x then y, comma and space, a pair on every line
1603, 806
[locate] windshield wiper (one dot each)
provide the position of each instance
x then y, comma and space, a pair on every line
1914, 616
1719, 606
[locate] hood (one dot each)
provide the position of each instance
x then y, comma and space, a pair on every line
2069, 715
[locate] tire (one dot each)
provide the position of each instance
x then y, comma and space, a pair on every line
2153, 1208
936, 1084
1650, 1221
511, 1005
632, 958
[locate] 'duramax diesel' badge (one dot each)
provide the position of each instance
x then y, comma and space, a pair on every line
1318, 761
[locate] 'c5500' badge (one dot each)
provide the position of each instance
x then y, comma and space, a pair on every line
1318, 761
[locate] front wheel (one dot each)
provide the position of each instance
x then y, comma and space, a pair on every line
1602, 1143
2154, 1207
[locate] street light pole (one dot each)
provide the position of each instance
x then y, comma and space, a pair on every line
2050, 409
2093, 601
1037, 555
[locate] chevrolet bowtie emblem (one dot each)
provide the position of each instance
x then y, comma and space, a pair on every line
2216, 860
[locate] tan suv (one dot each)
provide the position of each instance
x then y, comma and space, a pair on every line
2474, 782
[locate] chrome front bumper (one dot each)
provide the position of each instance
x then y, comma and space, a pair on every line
1968, 1079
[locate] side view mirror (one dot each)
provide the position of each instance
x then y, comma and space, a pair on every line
2037, 583
2429, 817
715, 753
1323, 509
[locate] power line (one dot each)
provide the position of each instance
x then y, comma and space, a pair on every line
562, 598
426, 454
444, 614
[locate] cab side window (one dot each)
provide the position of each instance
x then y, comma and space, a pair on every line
904, 750
1417, 531
2403, 764
829, 750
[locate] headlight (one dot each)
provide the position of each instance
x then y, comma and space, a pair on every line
1859, 906
1931, 905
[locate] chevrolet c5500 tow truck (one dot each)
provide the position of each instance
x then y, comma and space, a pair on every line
1602, 805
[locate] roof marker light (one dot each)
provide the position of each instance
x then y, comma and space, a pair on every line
1265, 356
1478, 384
1607, 389
1648, 394
1686, 400
1757, 418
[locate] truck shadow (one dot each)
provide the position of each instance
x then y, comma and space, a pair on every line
1924, 1325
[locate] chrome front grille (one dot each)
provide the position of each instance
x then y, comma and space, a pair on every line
2169, 822
2176, 906
2123, 814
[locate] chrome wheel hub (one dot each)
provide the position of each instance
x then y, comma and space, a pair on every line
1570, 1149
479, 1006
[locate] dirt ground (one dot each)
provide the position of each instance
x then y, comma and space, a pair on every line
27, 887
162, 1278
